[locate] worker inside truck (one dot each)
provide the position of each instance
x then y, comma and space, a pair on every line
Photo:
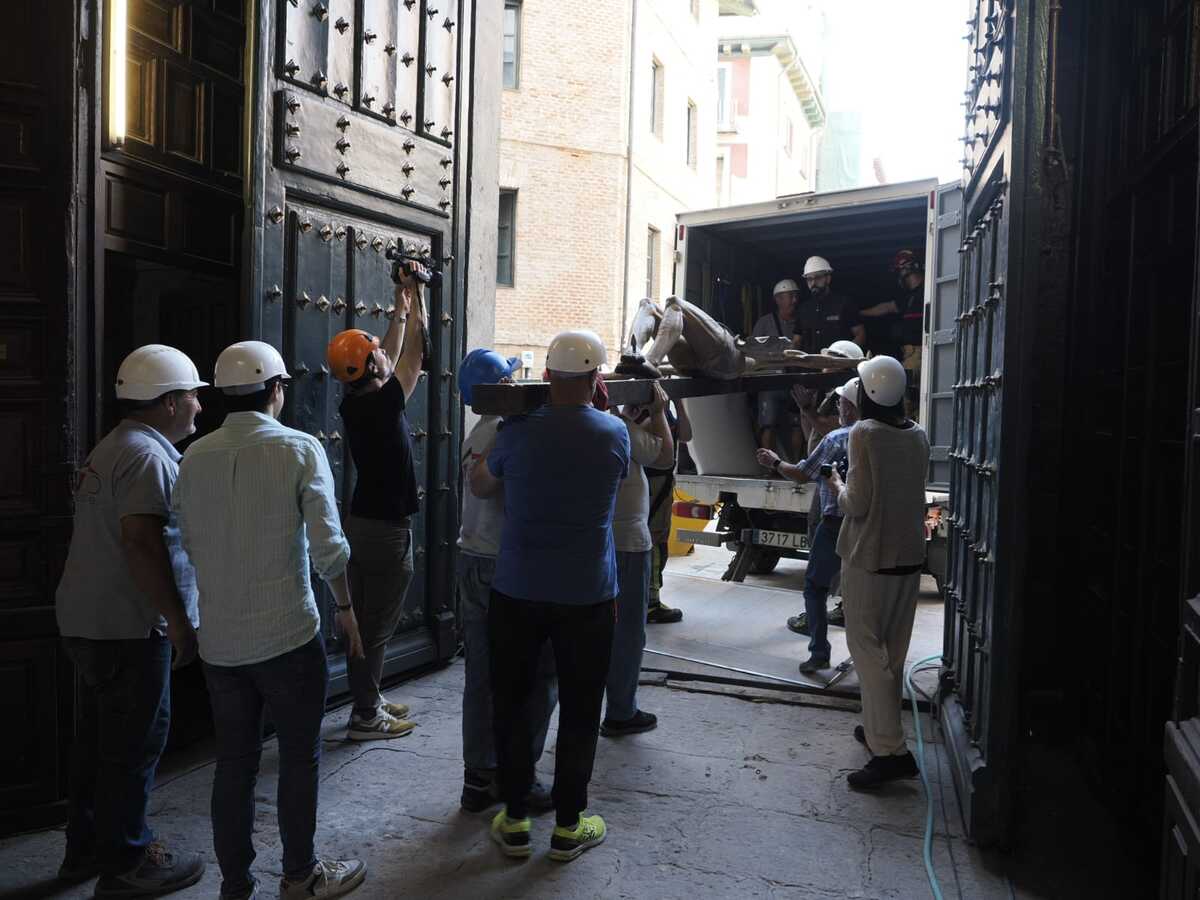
896, 326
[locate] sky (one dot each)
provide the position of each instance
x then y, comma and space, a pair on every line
902, 65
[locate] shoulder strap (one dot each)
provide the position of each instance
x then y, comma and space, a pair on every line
657, 502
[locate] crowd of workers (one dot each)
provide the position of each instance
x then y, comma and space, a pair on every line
561, 550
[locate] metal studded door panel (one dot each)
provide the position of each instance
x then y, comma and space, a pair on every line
347, 170
978, 641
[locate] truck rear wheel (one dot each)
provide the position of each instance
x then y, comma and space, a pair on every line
764, 562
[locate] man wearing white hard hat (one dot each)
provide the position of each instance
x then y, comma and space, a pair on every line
825, 317
774, 406
823, 562
882, 546
556, 580
256, 504
127, 595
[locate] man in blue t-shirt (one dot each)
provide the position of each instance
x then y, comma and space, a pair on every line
556, 577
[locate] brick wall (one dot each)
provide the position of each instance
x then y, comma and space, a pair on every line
564, 146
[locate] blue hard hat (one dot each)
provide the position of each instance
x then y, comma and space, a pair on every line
483, 367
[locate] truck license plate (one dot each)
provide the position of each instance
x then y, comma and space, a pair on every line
786, 540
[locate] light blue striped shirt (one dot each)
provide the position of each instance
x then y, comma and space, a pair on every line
254, 500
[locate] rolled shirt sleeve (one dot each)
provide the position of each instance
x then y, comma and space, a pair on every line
327, 545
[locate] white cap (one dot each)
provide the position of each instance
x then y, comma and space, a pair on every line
156, 369
786, 285
849, 390
247, 366
847, 349
575, 352
817, 265
884, 379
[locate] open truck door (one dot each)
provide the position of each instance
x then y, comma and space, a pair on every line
941, 329
939, 364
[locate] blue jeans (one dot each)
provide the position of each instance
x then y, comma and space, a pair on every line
823, 566
479, 742
291, 688
629, 635
122, 723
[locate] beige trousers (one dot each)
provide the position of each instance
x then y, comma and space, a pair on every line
879, 620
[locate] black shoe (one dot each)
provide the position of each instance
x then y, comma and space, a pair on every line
641, 721
838, 616
812, 665
798, 624
860, 735
160, 871
882, 769
479, 791
78, 867
538, 800
663, 615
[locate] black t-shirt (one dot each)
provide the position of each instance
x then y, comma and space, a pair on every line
381, 447
912, 316
821, 320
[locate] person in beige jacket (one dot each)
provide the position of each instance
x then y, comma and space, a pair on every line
882, 546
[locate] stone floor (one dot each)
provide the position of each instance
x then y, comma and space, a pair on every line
737, 794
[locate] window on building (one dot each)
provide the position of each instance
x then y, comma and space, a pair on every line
720, 179
696, 9
724, 98
692, 128
656, 97
504, 238
788, 138
652, 242
512, 43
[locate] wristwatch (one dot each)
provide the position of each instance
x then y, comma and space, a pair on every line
777, 468
344, 608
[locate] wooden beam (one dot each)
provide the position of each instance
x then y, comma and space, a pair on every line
524, 396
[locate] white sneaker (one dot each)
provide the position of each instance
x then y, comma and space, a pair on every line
329, 878
380, 728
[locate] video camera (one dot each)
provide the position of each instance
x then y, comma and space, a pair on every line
402, 256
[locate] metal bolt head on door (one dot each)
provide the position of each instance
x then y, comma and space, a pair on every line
275, 215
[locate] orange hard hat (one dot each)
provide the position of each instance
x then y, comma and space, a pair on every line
348, 352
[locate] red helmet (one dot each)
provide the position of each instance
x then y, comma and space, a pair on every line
907, 261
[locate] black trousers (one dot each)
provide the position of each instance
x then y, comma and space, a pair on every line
581, 637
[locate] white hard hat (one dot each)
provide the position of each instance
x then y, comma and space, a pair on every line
884, 379
848, 349
245, 367
786, 285
575, 351
156, 369
817, 265
849, 390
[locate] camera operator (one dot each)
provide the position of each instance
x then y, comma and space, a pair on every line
823, 562
379, 378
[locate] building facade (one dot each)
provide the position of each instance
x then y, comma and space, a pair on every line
770, 114
604, 138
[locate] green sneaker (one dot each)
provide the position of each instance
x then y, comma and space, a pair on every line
568, 843
512, 834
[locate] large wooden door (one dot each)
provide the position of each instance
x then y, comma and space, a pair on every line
984, 556
38, 397
358, 135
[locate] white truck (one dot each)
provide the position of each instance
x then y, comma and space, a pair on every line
727, 260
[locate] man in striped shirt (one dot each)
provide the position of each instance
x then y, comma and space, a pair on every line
255, 503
